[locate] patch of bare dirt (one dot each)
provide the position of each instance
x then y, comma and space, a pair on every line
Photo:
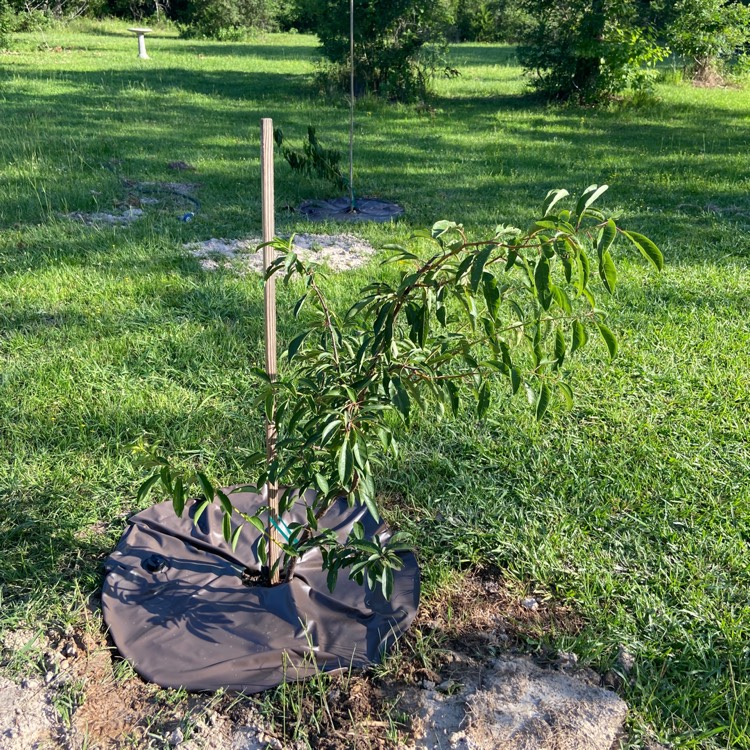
483, 614
340, 252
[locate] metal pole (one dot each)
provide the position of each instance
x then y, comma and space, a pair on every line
269, 253
351, 105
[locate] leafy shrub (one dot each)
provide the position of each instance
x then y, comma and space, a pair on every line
467, 323
7, 25
588, 50
488, 21
225, 20
398, 44
709, 33
313, 159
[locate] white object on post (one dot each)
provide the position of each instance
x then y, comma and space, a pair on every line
141, 33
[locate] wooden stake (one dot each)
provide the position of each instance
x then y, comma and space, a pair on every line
269, 253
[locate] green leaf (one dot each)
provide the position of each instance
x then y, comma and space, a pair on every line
400, 398
608, 272
512, 257
263, 550
584, 271
543, 400
439, 228
464, 267
567, 393
515, 380
451, 390
359, 451
609, 339
441, 312
561, 298
559, 346
580, 337
312, 522
541, 279
206, 487
165, 474
647, 248
386, 436
607, 236
145, 489
236, 537
345, 463
483, 402
329, 429
295, 344
552, 198
369, 502
333, 574
268, 404
227, 528
200, 510
255, 522
322, 483
178, 496
387, 583
298, 305
477, 267
491, 295
589, 195
226, 503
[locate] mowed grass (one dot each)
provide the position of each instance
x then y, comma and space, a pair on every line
633, 508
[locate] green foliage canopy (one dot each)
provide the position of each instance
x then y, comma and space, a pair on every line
588, 50
466, 321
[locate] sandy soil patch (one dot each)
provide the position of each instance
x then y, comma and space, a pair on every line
340, 252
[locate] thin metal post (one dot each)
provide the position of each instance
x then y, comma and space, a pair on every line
351, 105
267, 202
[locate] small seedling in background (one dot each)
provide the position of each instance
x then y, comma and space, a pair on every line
313, 160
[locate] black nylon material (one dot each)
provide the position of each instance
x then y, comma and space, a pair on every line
178, 610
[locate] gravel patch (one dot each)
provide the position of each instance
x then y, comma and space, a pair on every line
128, 216
340, 252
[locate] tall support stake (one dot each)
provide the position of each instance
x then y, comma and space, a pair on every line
269, 253
351, 105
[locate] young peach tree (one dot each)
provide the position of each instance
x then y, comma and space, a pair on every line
465, 321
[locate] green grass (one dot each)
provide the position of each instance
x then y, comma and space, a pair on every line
633, 508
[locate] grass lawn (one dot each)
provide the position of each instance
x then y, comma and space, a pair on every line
632, 509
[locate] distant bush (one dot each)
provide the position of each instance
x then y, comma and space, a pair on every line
488, 21
588, 50
398, 44
7, 25
709, 34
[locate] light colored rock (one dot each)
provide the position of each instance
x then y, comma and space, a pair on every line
176, 738
625, 659
247, 738
516, 705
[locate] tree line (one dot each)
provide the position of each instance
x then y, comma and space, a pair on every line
582, 50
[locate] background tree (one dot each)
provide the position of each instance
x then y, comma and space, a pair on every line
396, 42
708, 33
588, 50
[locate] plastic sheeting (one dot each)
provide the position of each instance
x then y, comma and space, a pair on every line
339, 209
177, 607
